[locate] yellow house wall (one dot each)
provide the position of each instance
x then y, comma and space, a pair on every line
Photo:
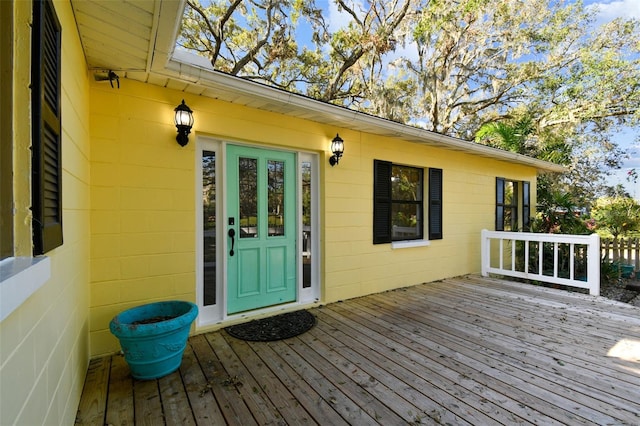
44, 348
143, 197
143, 201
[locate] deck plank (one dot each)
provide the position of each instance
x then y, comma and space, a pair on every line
466, 350
120, 402
400, 376
451, 389
314, 374
201, 399
268, 384
235, 411
570, 348
305, 395
91, 410
586, 368
239, 378
372, 390
147, 403
494, 370
175, 404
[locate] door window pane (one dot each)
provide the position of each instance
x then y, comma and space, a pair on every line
209, 226
248, 195
275, 189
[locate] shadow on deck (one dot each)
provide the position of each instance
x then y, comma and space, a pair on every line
467, 350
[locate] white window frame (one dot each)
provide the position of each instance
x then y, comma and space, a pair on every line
210, 314
310, 294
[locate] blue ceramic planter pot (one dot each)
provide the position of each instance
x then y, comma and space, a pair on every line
153, 336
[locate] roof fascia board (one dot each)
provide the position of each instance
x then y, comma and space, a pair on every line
166, 32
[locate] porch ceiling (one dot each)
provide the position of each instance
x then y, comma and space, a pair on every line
136, 39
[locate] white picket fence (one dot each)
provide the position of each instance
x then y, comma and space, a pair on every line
624, 250
574, 260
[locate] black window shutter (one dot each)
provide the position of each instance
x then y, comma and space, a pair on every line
499, 204
6, 130
526, 206
46, 137
435, 204
381, 202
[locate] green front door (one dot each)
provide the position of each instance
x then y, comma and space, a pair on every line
261, 228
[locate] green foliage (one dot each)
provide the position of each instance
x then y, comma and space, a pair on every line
609, 272
617, 216
558, 213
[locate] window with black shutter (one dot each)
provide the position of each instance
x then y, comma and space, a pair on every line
46, 137
398, 210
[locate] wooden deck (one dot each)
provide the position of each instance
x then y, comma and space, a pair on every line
468, 350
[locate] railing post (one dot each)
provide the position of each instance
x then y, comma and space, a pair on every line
593, 262
485, 252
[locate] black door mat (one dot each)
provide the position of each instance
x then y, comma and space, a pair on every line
278, 327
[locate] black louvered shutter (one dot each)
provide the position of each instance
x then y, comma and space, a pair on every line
499, 204
46, 138
6, 130
435, 204
526, 206
381, 202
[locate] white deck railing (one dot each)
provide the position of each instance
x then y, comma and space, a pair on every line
525, 255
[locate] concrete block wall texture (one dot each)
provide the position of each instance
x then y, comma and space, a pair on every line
44, 345
143, 200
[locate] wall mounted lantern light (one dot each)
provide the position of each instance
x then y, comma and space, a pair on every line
184, 122
337, 147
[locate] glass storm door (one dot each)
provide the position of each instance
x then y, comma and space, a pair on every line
261, 228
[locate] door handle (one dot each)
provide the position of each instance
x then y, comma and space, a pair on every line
232, 234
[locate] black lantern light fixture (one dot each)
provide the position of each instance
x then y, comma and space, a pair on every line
184, 122
337, 147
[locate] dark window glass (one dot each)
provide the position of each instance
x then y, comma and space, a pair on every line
248, 192
506, 205
526, 206
275, 197
406, 203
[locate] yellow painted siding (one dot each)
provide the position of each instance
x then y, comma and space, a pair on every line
44, 347
143, 201
143, 198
